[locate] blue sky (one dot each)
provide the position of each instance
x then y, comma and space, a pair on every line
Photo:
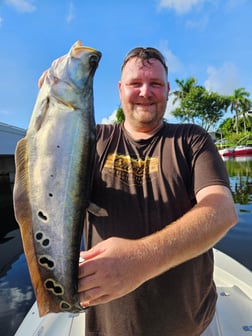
207, 39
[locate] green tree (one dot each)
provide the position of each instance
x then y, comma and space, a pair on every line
239, 104
227, 126
119, 115
245, 107
202, 107
212, 109
184, 87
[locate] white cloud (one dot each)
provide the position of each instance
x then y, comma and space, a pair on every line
22, 5
13, 297
1, 21
232, 4
223, 80
110, 120
200, 24
185, 6
180, 6
170, 107
173, 62
71, 13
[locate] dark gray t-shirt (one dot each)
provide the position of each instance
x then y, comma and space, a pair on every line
145, 185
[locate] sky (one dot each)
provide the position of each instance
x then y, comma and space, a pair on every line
207, 39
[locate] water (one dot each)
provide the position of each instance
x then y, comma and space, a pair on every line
16, 293
237, 243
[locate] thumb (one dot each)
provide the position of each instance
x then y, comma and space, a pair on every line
42, 78
92, 253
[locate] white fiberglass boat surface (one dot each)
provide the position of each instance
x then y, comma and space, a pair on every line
233, 315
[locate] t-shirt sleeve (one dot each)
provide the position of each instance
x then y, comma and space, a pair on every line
207, 165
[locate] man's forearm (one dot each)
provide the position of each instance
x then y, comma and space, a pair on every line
191, 235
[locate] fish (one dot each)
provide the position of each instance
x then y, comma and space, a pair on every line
53, 178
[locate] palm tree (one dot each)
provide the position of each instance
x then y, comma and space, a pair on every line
245, 108
184, 88
239, 103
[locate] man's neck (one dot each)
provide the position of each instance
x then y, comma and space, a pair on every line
142, 132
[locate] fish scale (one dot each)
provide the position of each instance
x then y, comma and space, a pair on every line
53, 178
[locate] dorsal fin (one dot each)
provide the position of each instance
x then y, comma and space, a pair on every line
23, 215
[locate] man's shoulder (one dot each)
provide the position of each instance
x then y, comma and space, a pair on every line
104, 131
105, 126
185, 128
184, 132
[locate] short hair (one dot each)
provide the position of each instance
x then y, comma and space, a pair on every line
145, 54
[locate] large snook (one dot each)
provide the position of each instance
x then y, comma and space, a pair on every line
53, 178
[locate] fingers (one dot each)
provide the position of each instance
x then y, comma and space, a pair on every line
86, 278
57, 61
89, 287
88, 297
54, 65
103, 276
95, 301
42, 78
93, 296
92, 253
89, 292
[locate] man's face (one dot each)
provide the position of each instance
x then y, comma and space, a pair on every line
143, 91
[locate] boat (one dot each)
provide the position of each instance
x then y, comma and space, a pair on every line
236, 151
233, 313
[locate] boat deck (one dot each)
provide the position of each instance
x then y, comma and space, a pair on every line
234, 305
233, 316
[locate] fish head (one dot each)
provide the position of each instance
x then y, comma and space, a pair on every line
88, 58
86, 54
76, 68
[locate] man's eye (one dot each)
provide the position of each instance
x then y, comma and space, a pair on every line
156, 84
135, 84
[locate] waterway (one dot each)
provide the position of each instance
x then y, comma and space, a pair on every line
16, 293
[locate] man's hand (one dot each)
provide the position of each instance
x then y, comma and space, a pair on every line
45, 73
110, 270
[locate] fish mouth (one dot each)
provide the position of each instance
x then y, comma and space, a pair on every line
94, 55
94, 59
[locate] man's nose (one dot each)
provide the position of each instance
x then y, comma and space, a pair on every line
145, 90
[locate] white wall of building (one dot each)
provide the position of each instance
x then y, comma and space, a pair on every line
9, 136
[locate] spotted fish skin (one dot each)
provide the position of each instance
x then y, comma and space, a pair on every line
53, 178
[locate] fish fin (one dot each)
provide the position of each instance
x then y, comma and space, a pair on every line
96, 210
23, 214
21, 186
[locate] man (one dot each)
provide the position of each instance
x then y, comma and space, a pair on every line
166, 191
